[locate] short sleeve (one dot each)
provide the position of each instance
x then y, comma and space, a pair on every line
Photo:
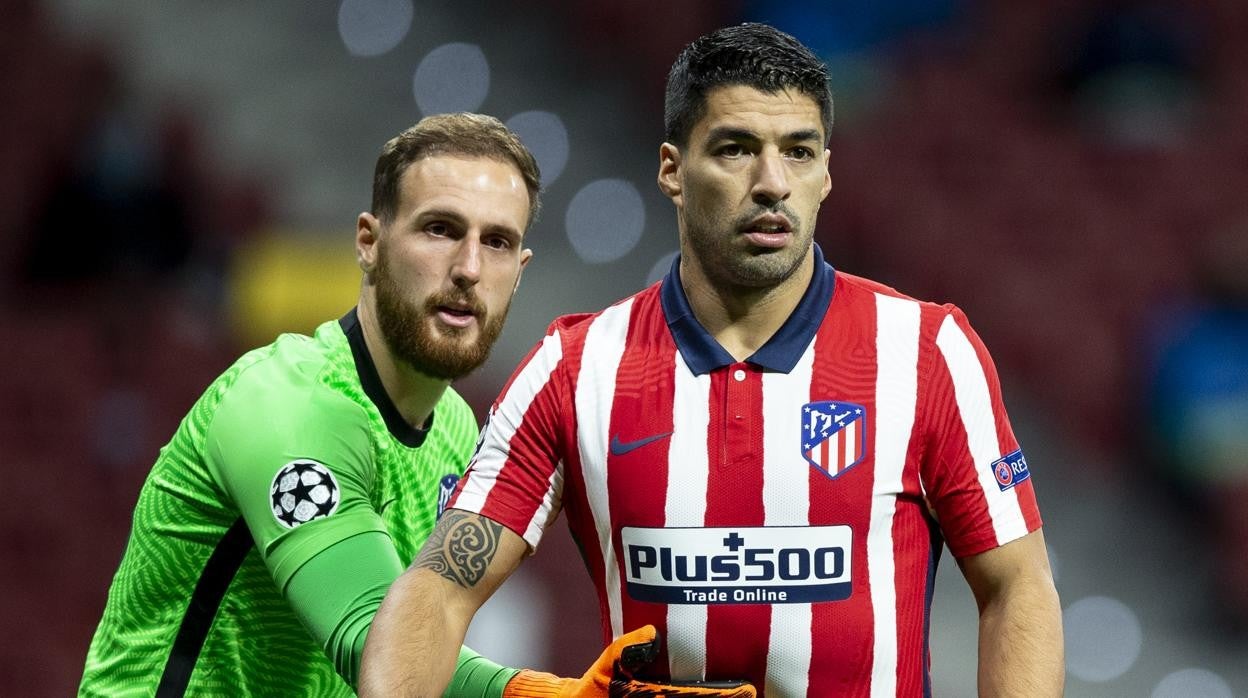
515, 478
975, 476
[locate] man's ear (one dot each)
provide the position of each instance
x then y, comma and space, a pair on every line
827, 175
525, 255
367, 233
669, 172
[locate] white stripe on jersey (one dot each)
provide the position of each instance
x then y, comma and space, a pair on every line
595, 394
975, 404
896, 390
685, 506
786, 502
502, 425
552, 501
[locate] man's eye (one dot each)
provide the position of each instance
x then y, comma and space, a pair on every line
439, 229
498, 243
732, 150
801, 153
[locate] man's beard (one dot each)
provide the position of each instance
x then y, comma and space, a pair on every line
408, 332
725, 263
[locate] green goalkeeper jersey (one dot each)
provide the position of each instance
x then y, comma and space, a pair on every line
294, 449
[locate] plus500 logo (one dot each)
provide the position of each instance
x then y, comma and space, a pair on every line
777, 564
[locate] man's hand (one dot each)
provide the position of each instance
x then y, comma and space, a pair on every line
613, 675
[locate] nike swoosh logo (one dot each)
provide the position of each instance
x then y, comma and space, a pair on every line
619, 448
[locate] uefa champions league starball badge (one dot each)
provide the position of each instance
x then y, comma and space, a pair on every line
303, 490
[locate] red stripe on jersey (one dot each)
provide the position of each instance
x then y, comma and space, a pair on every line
845, 370
916, 539
1005, 432
954, 489
955, 483
576, 506
736, 637
531, 461
637, 475
913, 543
501, 395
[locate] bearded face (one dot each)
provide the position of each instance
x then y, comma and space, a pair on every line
713, 237
416, 337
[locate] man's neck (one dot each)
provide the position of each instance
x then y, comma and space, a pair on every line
413, 393
740, 318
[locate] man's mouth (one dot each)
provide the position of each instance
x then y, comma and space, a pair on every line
455, 313
768, 231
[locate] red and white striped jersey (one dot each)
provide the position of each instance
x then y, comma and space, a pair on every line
778, 519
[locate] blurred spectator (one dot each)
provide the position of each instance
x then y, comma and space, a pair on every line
834, 30
1135, 72
115, 213
1196, 408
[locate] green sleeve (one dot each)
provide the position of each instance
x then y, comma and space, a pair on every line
477, 677
267, 422
337, 593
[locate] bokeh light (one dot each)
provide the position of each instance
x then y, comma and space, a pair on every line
1103, 638
605, 220
1186, 683
546, 136
373, 27
452, 77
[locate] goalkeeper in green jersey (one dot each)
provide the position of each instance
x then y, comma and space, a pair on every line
309, 474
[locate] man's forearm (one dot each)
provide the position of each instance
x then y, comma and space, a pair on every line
1020, 642
413, 645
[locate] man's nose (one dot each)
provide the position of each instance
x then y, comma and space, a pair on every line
771, 180
466, 266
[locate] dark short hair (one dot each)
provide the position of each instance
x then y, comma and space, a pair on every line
754, 55
462, 134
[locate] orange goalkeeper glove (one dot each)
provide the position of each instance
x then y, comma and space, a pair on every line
612, 676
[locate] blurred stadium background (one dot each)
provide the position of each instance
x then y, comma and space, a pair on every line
179, 182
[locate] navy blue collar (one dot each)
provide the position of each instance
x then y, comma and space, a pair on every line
703, 354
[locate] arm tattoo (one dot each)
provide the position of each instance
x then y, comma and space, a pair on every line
461, 547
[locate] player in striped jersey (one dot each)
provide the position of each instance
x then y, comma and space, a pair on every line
311, 471
760, 455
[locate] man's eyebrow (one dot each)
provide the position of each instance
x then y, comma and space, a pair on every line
440, 214
806, 134
452, 216
736, 133
731, 133
505, 230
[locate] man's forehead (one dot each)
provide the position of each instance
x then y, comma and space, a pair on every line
742, 106
455, 177
471, 190
462, 172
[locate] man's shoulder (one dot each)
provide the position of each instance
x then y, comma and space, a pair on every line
574, 323
294, 373
862, 287
294, 357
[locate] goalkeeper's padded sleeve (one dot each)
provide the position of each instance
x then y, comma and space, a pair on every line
337, 593
612, 675
475, 676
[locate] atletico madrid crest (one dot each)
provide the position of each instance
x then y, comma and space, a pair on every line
834, 435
